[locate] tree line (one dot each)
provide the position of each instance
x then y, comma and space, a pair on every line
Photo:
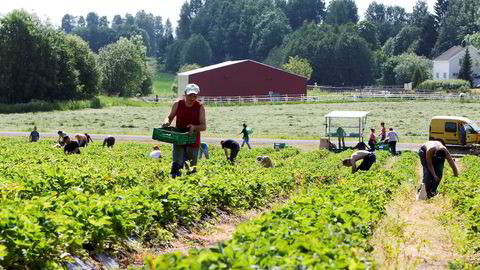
40, 62
389, 46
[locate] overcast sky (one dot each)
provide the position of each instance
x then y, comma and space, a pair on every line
55, 9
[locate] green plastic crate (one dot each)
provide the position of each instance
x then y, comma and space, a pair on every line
173, 135
279, 145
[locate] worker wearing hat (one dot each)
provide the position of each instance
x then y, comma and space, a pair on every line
190, 116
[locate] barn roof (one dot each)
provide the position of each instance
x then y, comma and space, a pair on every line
219, 65
347, 114
229, 63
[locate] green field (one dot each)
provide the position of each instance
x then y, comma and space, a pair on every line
287, 121
55, 207
162, 84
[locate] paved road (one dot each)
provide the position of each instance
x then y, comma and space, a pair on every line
254, 141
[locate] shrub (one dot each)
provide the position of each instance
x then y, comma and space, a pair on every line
445, 85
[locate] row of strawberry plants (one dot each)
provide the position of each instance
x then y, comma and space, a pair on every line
464, 193
40, 226
327, 226
40, 169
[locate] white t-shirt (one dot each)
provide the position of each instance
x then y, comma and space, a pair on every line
155, 154
392, 136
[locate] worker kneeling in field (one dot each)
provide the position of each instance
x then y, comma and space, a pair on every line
265, 161
234, 149
109, 141
432, 156
71, 147
367, 157
156, 152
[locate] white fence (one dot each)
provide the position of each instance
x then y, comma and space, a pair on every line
384, 95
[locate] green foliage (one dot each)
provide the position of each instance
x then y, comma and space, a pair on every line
299, 66
304, 11
85, 62
339, 45
367, 31
465, 201
473, 39
406, 68
41, 63
52, 203
124, 68
268, 33
326, 226
197, 51
174, 56
406, 41
459, 20
465, 72
342, 12
188, 67
444, 85
412, 68
388, 20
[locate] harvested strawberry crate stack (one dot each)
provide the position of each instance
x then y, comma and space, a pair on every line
173, 135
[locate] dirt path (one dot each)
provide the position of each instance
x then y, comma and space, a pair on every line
208, 235
411, 235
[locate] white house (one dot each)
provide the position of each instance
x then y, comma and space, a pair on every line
447, 65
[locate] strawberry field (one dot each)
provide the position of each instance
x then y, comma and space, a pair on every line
56, 207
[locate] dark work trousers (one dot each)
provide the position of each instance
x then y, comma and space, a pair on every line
428, 179
234, 153
393, 145
367, 162
371, 144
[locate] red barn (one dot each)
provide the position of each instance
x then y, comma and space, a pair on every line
243, 78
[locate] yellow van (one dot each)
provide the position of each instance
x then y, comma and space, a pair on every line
446, 130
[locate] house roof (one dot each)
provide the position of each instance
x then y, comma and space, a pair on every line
450, 53
229, 63
347, 114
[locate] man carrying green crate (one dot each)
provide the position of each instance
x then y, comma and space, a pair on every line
190, 115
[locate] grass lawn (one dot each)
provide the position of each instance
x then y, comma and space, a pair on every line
294, 121
162, 84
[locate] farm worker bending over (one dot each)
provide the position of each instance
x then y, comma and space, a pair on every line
34, 135
246, 138
368, 159
71, 147
156, 152
432, 156
265, 161
190, 115
83, 139
109, 141
234, 149
203, 151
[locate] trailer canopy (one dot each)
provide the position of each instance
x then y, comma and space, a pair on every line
345, 124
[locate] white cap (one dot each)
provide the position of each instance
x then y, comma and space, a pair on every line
192, 89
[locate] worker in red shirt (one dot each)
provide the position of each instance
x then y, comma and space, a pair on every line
190, 116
